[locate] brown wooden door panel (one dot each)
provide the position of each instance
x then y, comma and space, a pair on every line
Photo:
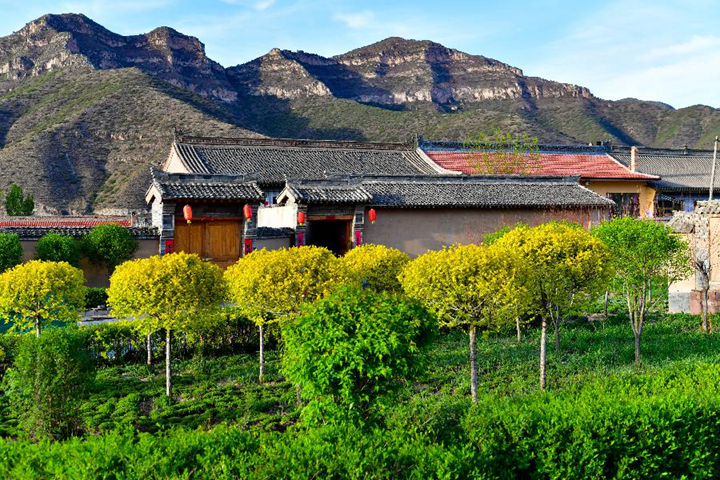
189, 238
222, 242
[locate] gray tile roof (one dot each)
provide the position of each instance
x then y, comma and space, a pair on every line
173, 186
37, 232
462, 192
680, 170
316, 194
271, 161
485, 192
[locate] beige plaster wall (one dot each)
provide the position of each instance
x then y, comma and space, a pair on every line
95, 276
416, 231
272, 243
646, 194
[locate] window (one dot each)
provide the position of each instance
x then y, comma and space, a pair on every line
626, 204
271, 196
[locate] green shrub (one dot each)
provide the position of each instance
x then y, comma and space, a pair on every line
109, 245
95, 297
51, 373
10, 251
351, 351
54, 247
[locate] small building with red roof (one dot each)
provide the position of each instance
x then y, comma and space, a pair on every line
597, 169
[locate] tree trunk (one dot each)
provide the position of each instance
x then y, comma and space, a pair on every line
607, 298
262, 353
543, 351
168, 371
637, 351
705, 311
149, 349
37, 327
519, 331
473, 364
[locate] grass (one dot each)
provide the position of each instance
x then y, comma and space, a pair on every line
224, 390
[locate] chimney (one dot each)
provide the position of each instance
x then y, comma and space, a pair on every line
633, 158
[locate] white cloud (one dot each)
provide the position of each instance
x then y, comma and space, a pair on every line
362, 19
99, 9
259, 5
698, 44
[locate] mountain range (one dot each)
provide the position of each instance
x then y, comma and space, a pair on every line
84, 111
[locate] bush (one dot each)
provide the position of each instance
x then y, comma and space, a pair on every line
54, 247
109, 245
351, 351
374, 266
95, 297
10, 251
50, 374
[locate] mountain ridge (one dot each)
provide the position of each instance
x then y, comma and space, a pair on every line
85, 111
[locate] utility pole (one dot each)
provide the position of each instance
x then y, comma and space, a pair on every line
712, 174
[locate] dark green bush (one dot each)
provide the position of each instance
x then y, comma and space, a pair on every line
109, 245
10, 251
49, 376
351, 351
54, 247
95, 297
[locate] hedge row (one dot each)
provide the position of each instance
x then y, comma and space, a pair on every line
649, 426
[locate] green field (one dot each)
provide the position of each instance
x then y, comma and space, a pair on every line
599, 418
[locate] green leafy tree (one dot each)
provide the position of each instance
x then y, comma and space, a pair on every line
54, 247
501, 153
11, 252
374, 266
169, 292
561, 265
50, 375
466, 286
18, 204
642, 251
271, 285
108, 245
350, 352
35, 293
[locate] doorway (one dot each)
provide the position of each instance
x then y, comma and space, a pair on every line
332, 234
217, 241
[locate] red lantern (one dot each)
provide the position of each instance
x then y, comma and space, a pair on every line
187, 213
247, 212
372, 214
301, 218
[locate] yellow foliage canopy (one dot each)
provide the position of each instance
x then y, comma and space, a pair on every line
374, 266
39, 291
170, 291
270, 284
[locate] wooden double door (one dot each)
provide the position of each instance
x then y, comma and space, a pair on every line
217, 241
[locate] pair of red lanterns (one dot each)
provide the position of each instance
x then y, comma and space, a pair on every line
188, 213
372, 214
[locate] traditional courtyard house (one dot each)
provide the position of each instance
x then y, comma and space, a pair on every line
631, 190
222, 197
32, 229
685, 175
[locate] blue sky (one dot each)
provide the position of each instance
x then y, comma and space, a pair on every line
667, 51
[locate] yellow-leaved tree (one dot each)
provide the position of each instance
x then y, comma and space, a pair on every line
374, 266
35, 293
271, 285
561, 264
169, 292
466, 286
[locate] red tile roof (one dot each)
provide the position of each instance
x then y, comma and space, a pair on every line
61, 222
586, 166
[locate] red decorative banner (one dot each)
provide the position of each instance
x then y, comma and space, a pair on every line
358, 238
300, 240
169, 246
248, 246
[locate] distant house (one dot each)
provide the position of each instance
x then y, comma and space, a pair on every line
631, 190
685, 175
326, 192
